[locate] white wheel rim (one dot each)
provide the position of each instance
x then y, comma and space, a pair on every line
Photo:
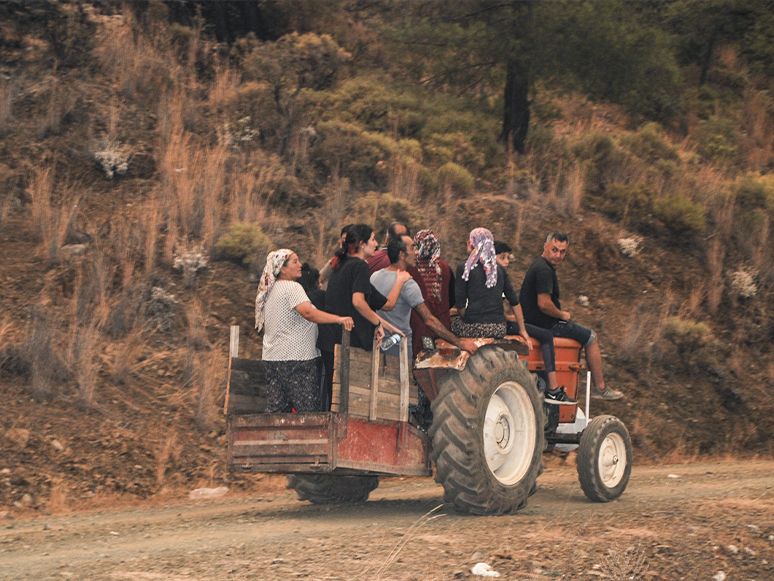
509, 433
612, 460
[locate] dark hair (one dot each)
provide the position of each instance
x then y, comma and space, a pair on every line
392, 234
310, 277
501, 247
558, 236
345, 229
394, 248
356, 234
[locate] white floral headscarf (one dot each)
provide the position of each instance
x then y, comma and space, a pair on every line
271, 271
482, 242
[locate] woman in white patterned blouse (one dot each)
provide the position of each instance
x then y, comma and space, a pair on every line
290, 336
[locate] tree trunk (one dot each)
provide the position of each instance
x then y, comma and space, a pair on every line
516, 106
707, 60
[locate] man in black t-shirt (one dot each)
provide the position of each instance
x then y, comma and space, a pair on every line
545, 319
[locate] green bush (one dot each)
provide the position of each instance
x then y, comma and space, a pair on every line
381, 210
353, 150
633, 201
457, 178
680, 215
752, 194
649, 144
687, 335
372, 103
701, 100
754, 201
606, 160
716, 140
243, 243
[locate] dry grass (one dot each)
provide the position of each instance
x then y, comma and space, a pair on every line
40, 348
61, 103
625, 564
324, 227
715, 257
126, 354
51, 222
761, 248
8, 93
166, 451
139, 62
57, 501
84, 351
565, 190
212, 378
193, 179
403, 178
150, 234
252, 186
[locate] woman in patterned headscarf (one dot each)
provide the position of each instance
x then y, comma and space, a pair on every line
479, 288
290, 335
436, 281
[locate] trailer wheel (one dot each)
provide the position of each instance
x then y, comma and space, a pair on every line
487, 434
332, 488
604, 459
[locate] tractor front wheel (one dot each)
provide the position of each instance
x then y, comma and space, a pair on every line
604, 459
332, 488
487, 434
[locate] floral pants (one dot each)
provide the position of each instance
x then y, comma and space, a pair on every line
292, 385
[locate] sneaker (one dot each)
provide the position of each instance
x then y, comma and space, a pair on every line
607, 394
559, 397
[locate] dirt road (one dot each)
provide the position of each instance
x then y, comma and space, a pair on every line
674, 522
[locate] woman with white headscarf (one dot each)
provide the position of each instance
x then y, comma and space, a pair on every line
289, 320
479, 288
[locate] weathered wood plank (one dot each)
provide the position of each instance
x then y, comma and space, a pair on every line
404, 382
374, 384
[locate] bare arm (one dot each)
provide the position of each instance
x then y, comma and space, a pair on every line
522, 329
361, 304
390, 327
392, 298
437, 327
548, 307
307, 311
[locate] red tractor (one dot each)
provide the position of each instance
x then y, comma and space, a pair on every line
490, 426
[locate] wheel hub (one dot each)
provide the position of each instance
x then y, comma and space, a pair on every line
509, 433
611, 469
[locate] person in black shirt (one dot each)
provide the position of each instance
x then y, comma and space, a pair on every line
479, 288
545, 320
350, 294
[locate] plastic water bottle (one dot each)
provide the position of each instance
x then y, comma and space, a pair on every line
388, 342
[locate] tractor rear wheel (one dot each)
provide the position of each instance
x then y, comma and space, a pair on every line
332, 488
487, 434
604, 459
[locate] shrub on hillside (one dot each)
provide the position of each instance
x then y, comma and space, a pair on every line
607, 161
717, 141
752, 195
687, 335
371, 102
353, 151
701, 100
455, 177
680, 215
381, 210
453, 147
632, 202
242, 243
648, 143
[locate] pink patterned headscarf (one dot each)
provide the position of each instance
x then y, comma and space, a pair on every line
271, 271
482, 242
428, 254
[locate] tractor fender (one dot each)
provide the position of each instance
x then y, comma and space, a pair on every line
431, 366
